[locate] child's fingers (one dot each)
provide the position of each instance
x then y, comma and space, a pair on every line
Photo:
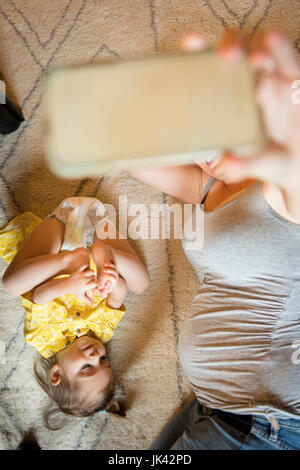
107, 286
96, 292
88, 300
110, 283
110, 268
89, 294
88, 277
110, 265
91, 284
108, 276
112, 272
103, 293
100, 278
89, 273
83, 267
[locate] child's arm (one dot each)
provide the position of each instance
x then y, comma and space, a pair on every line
24, 276
77, 283
49, 290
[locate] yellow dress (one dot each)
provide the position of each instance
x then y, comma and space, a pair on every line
52, 327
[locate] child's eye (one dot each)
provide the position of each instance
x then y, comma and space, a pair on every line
102, 358
87, 366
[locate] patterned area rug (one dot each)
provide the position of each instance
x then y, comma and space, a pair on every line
34, 36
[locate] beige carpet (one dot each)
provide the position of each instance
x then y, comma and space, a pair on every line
35, 35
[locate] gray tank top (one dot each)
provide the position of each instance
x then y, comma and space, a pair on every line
240, 342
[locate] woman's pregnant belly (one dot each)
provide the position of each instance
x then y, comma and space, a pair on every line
236, 350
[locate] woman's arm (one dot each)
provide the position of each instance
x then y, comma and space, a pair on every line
277, 70
291, 195
183, 182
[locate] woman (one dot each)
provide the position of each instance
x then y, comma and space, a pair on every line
237, 344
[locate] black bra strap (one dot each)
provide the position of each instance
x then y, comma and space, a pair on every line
207, 188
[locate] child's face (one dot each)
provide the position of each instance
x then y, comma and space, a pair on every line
86, 366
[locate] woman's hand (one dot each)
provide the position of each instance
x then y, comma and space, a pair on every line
81, 283
277, 68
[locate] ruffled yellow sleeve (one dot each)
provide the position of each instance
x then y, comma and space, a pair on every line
103, 320
44, 325
43, 339
15, 232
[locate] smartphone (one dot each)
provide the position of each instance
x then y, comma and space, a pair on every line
165, 109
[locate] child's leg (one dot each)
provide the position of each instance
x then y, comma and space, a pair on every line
39, 259
117, 243
126, 260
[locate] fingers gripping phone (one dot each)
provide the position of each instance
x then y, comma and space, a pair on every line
159, 110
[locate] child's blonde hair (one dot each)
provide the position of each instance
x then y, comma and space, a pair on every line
68, 398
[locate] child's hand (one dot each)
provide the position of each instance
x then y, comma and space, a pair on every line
80, 282
109, 279
91, 294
